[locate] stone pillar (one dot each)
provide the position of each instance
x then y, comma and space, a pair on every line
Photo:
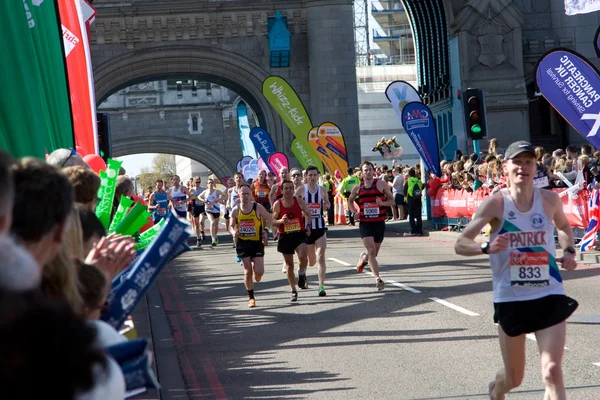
332, 70
491, 58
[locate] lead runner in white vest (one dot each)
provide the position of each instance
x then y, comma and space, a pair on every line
316, 198
528, 291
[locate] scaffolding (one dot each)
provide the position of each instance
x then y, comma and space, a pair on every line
361, 32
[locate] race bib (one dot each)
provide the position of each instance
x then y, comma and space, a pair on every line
179, 203
261, 193
247, 228
161, 212
199, 202
315, 209
371, 210
529, 269
292, 226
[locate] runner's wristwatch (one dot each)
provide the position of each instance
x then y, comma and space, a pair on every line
485, 248
570, 249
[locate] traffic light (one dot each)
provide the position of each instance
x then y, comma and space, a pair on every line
104, 135
474, 110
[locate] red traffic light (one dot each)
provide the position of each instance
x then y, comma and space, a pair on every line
473, 101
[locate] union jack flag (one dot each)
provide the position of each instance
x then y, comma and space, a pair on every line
589, 239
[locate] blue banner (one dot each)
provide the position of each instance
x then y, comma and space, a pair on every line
124, 297
418, 123
244, 127
263, 144
572, 86
135, 359
597, 42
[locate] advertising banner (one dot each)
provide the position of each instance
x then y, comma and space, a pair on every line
305, 154
288, 105
315, 144
573, 7
244, 128
35, 115
399, 94
277, 161
572, 86
146, 267
263, 143
242, 163
418, 123
332, 140
80, 75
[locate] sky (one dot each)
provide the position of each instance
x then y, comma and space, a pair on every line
135, 162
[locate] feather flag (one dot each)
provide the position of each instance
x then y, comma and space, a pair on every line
589, 239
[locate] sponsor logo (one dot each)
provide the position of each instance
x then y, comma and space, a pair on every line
537, 221
529, 258
511, 215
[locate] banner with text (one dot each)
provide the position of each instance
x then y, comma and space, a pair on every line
418, 123
571, 85
244, 128
573, 7
332, 140
305, 154
79, 71
288, 105
277, 161
399, 94
263, 143
315, 144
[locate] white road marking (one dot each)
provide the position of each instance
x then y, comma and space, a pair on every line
403, 286
344, 263
454, 307
597, 364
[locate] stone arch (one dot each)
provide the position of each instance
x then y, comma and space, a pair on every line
216, 163
193, 62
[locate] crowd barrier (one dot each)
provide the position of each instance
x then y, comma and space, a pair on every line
452, 207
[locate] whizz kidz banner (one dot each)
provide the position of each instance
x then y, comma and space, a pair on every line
571, 85
418, 123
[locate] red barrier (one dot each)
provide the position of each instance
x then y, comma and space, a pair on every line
460, 203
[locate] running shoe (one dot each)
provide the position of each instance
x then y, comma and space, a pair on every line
214, 243
379, 284
217, 240
322, 292
302, 283
284, 269
251, 303
203, 236
362, 262
198, 243
257, 278
294, 296
238, 259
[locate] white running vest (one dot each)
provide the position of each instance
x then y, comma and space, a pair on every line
211, 206
314, 201
527, 270
179, 199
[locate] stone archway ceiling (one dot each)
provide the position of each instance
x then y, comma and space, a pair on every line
428, 21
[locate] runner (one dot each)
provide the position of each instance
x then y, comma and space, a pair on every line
528, 291
276, 193
297, 177
233, 198
211, 198
230, 184
346, 187
158, 202
374, 196
178, 197
247, 227
198, 211
316, 198
288, 216
261, 196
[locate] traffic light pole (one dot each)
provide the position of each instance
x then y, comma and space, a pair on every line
476, 147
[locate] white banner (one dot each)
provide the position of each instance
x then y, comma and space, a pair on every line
573, 7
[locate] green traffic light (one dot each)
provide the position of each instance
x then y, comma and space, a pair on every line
101, 153
476, 129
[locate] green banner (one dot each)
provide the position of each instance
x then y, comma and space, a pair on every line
106, 193
130, 219
140, 221
124, 205
35, 113
288, 105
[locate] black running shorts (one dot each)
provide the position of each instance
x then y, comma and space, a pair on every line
519, 317
399, 199
215, 215
289, 242
250, 248
376, 230
198, 210
315, 234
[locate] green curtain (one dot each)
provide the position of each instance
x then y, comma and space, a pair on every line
35, 114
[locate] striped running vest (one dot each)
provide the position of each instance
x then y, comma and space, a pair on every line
250, 225
314, 201
370, 211
527, 269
